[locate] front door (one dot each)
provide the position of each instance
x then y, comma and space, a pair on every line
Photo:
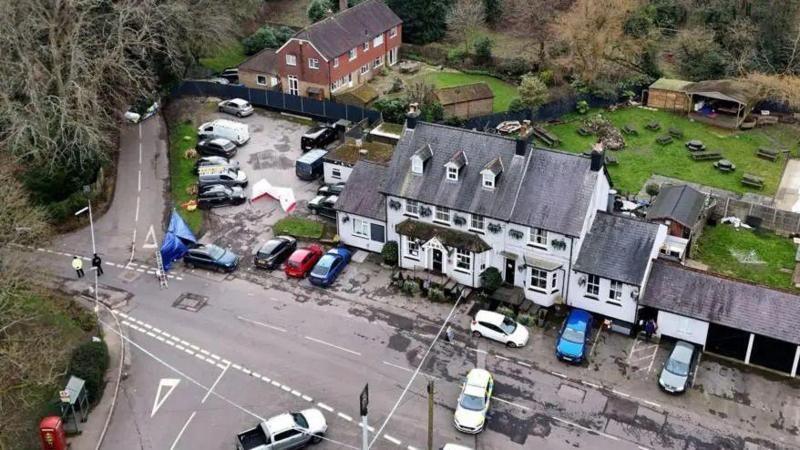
294, 88
511, 267
437, 261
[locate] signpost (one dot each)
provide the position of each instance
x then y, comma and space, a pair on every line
364, 403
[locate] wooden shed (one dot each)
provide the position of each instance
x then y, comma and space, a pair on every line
471, 100
669, 94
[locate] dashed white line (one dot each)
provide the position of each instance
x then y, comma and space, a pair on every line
136, 219
275, 383
512, 403
286, 388
194, 347
265, 379
560, 375
246, 371
189, 352
345, 416
324, 406
319, 341
652, 403
307, 398
523, 364
503, 358
393, 440
261, 324
296, 393
621, 394
237, 367
590, 384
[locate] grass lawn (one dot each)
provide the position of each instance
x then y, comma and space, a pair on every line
643, 157
230, 56
299, 228
503, 92
722, 247
181, 172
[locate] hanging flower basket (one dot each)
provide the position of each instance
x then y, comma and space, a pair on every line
395, 205
559, 244
494, 228
424, 211
516, 234
459, 220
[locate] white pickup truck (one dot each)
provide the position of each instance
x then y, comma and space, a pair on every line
284, 432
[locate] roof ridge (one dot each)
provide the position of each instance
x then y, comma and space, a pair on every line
632, 219
339, 14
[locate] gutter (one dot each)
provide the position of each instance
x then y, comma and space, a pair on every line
569, 272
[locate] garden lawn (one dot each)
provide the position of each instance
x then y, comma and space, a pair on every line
182, 137
503, 92
299, 228
229, 56
719, 246
643, 157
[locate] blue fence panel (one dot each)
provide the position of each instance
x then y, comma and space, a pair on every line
336, 111
354, 113
314, 107
292, 103
275, 100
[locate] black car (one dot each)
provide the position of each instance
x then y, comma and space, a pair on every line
231, 74
206, 161
331, 189
318, 137
323, 205
215, 195
211, 257
216, 147
274, 252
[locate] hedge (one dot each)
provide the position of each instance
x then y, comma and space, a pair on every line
89, 361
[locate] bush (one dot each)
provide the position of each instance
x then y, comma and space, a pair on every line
515, 67
266, 37
491, 279
318, 9
582, 107
410, 287
456, 55
532, 91
390, 253
516, 105
432, 112
640, 22
526, 319
483, 49
652, 189
393, 109
90, 362
547, 77
436, 295
506, 311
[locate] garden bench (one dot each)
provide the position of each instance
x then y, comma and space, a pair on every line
676, 133
752, 181
664, 140
545, 136
706, 156
768, 153
695, 145
611, 160
630, 130
724, 165
583, 131
653, 126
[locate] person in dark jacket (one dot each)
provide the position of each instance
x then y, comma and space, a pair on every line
97, 263
650, 328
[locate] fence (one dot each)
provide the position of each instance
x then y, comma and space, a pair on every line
323, 110
777, 220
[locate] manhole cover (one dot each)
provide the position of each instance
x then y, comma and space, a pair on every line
190, 302
621, 409
129, 276
571, 393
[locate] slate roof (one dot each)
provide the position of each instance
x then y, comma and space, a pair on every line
736, 304
464, 93
617, 248
265, 61
360, 196
495, 166
447, 236
459, 159
681, 203
348, 29
424, 152
544, 188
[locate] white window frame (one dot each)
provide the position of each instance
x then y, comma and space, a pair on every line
537, 280
364, 69
463, 261
365, 46
352, 54
554, 282
538, 238
444, 212
417, 165
393, 32
378, 62
412, 250
477, 223
336, 173
378, 40
259, 79
593, 286
488, 180
335, 62
291, 60
412, 207
452, 173
360, 228
615, 292
313, 63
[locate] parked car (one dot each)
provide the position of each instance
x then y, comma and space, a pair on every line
216, 147
454, 447
208, 161
237, 106
141, 110
231, 74
572, 339
209, 175
212, 257
473, 402
220, 80
499, 328
274, 252
678, 368
329, 266
286, 431
302, 260
236, 132
323, 205
218, 195
331, 189
309, 166
318, 137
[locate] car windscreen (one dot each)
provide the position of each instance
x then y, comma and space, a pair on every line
472, 402
676, 367
324, 264
215, 252
269, 248
572, 335
301, 421
508, 325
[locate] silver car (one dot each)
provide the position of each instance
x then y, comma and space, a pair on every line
678, 368
237, 106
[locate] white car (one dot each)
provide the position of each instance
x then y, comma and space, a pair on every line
237, 106
500, 328
454, 447
473, 403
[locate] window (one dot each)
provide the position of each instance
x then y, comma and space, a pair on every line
476, 223
336, 173
364, 69
393, 32
378, 41
261, 80
313, 63
412, 249
463, 260
555, 280
615, 291
366, 46
291, 60
335, 62
443, 214
360, 228
352, 54
538, 279
378, 62
538, 237
416, 165
452, 173
288, 434
412, 207
593, 286
488, 180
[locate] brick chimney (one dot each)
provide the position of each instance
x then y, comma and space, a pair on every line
342, 5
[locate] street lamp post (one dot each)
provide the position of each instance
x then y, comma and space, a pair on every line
94, 249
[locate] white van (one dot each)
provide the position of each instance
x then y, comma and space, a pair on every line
236, 132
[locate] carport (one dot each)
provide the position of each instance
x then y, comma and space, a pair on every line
750, 323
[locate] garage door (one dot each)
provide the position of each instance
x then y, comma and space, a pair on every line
773, 354
727, 341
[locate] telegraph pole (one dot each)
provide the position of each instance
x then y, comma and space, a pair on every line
364, 402
430, 414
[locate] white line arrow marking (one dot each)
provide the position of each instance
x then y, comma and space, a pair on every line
150, 239
171, 383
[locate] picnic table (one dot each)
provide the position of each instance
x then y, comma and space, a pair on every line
664, 140
630, 130
611, 160
723, 165
706, 156
768, 153
676, 133
695, 145
545, 136
751, 180
583, 131
653, 126
508, 127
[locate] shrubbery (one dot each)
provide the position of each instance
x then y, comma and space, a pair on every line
266, 37
89, 361
506, 311
390, 253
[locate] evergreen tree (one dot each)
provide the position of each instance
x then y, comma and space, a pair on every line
424, 21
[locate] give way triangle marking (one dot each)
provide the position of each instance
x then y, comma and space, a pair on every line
150, 239
171, 383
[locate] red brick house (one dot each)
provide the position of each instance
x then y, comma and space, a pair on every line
340, 52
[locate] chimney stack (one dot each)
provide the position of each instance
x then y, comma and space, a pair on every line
412, 116
522, 146
342, 5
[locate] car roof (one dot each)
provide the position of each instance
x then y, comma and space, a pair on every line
312, 155
238, 101
214, 188
478, 377
220, 141
578, 319
280, 423
682, 351
339, 251
489, 316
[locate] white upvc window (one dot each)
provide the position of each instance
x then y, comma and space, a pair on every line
417, 165
393, 32
615, 292
313, 63
412, 207
364, 69
538, 279
336, 173
261, 80
360, 228
335, 62
378, 62
488, 180
353, 53
463, 260
291, 60
378, 41
593, 286
452, 173
538, 237
443, 214
366, 46
476, 223
554, 282
412, 249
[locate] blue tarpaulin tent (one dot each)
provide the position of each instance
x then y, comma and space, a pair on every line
178, 239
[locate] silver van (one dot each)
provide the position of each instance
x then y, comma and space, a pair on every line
224, 175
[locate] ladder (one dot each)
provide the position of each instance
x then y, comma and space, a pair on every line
160, 273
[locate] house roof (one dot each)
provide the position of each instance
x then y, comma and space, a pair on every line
495, 166
265, 61
465, 93
424, 152
459, 159
617, 248
681, 203
447, 236
360, 196
348, 29
737, 91
350, 153
669, 84
543, 188
736, 304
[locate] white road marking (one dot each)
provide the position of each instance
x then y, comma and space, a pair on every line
587, 383
524, 364
136, 218
503, 358
237, 367
286, 388
261, 324
511, 403
621, 394
307, 398
408, 370
185, 425
171, 383
296, 393
139, 184
150, 239
391, 439
215, 384
345, 416
477, 350
324, 406
246, 371
581, 427
652, 403
560, 375
275, 383
319, 341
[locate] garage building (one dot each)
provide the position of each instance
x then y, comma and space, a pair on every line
669, 94
471, 100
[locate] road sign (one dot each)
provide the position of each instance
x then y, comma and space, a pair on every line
171, 383
64, 396
364, 400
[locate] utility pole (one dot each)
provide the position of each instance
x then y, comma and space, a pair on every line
364, 403
430, 414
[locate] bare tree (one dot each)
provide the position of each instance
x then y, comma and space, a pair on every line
20, 221
464, 19
533, 20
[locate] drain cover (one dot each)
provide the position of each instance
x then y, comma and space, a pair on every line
190, 302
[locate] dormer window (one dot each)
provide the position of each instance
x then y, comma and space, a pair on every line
454, 166
416, 165
488, 180
491, 172
419, 158
452, 173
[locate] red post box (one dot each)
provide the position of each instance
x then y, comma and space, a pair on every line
51, 431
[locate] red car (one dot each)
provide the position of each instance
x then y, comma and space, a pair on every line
302, 261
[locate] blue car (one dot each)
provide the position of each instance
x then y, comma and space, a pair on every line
571, 344
329, 266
